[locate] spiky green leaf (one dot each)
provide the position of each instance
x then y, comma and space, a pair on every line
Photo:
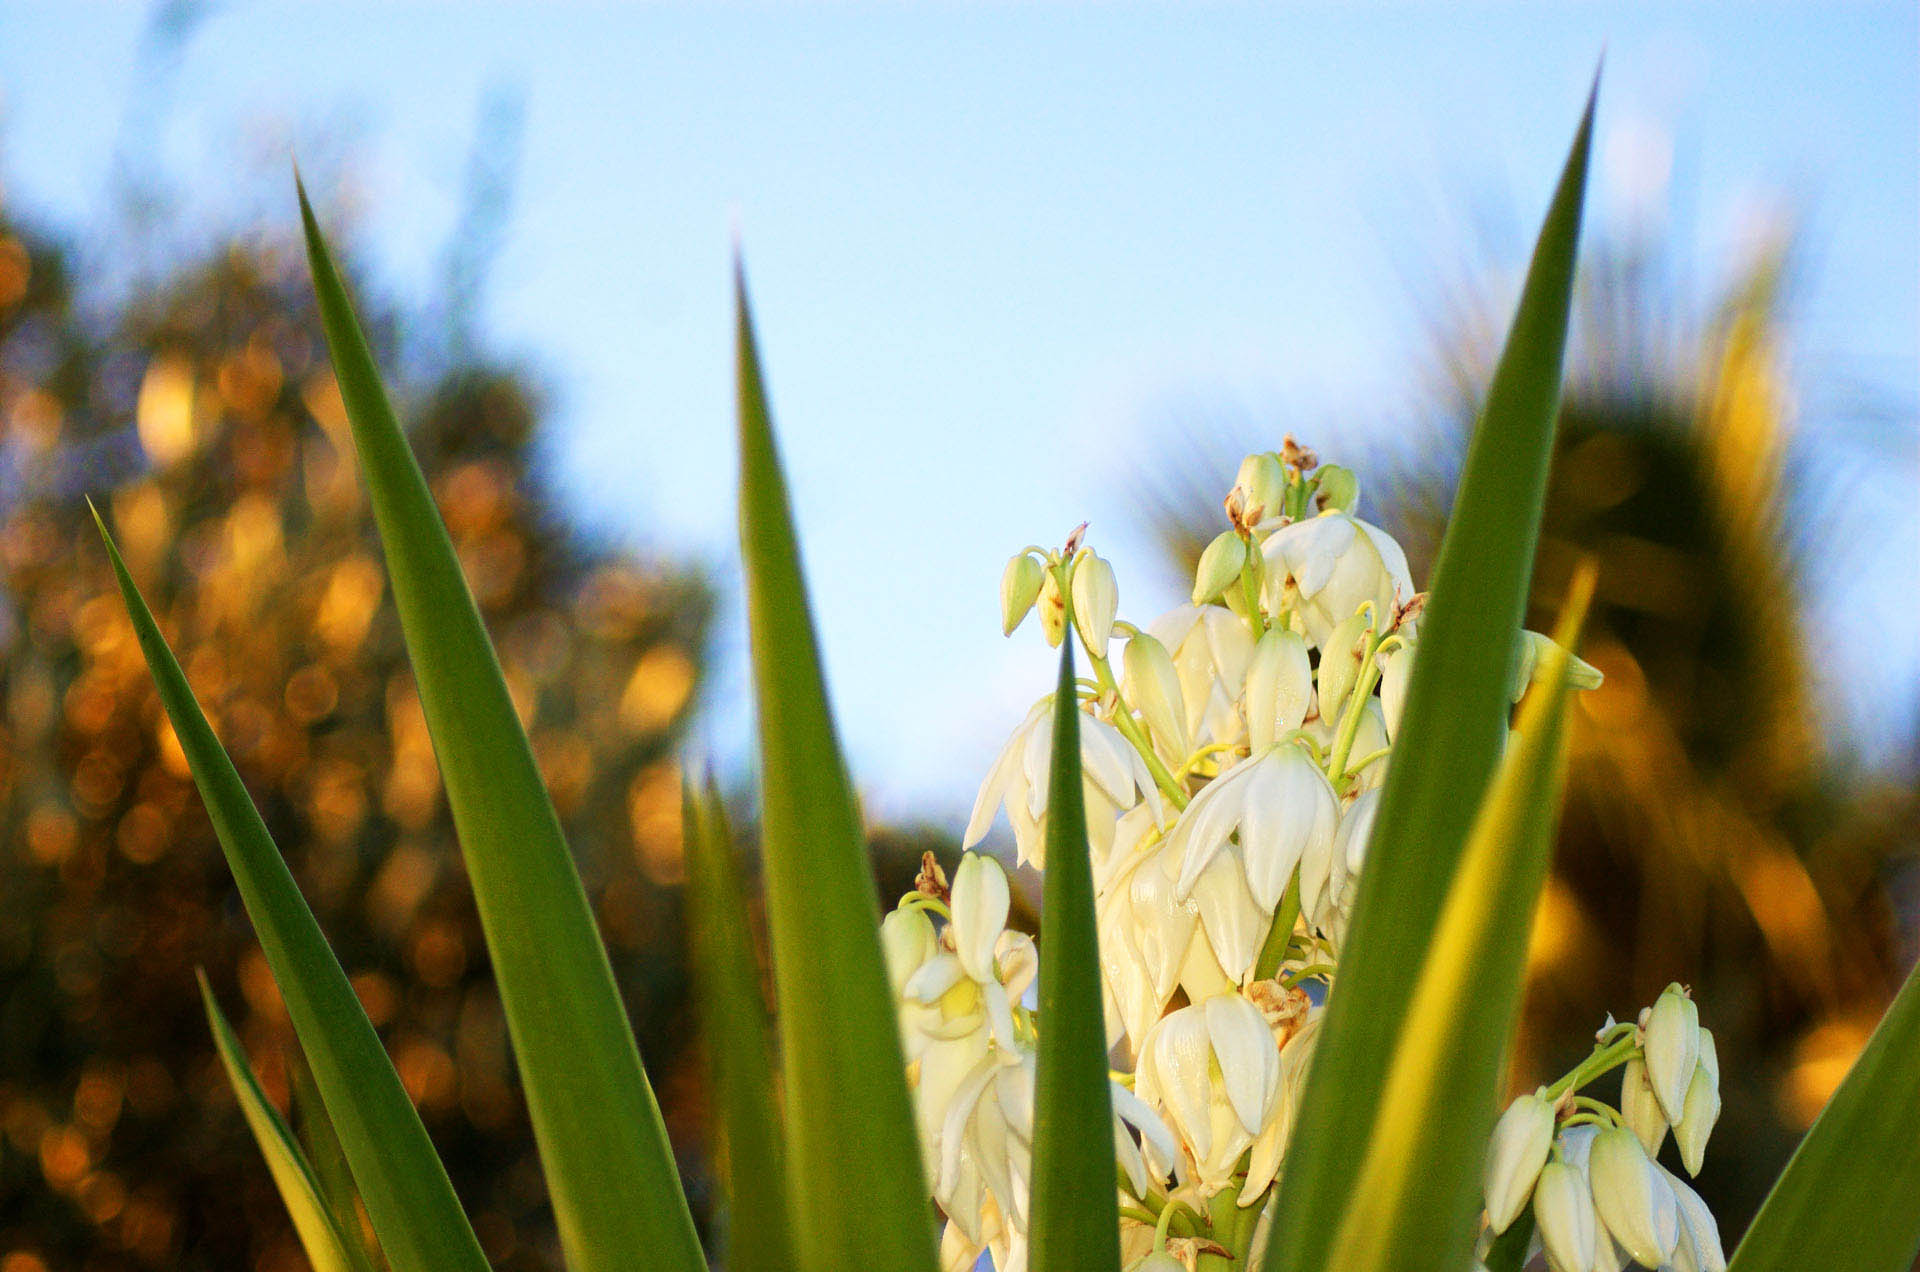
414, 1211
328, 1248
733, 1015
1419, 1174
609, 1168
859, 1197
1074, 1219
1849, 1200
1447, 746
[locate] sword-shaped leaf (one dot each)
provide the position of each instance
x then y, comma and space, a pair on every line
328, 1248
1074, 1213
859, 1198
1849, 1200
609, 1168
739, 1045
1419, 1181
1446, 747
414, 1211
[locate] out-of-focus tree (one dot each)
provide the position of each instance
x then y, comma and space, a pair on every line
203, 416
1718, 830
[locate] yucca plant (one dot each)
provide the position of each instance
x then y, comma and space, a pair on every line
1290, 855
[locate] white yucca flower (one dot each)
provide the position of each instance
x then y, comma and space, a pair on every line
1145, 934
1270, 1147
1213, 1071
1640, 1109
1563, 1212
1114, 778
1330, 878
1521, 1141
1211, 648
1672, 1044
1280, 805
1633, 1198
1325, 568
1699, 1248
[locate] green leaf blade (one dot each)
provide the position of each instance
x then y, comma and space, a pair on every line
327, 1247
415, 1213
859, 1194
1449, 739
609, 1167
1849, 1199
1074, 1223
739, 1044
1419, 1176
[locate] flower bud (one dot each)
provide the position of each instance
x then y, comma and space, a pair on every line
1096, 598
1220, 566
1053, 610
1640, 1108
1020, 586
1337, 487
1396, 673
1262, 483
1159, 1261
1672, 1046
907, 938
1153, 686
1529, 654
1279, 686
1340, 664
1563, 1209
1515, 1155
1632, 1198
1701, 1108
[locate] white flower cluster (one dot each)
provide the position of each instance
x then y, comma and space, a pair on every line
1600, 1202
1231, 760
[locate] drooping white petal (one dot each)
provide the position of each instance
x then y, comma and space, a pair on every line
1279, 687
1632, 1197
979, 902
1174, 1063
994, 790
1235, 924
1563, 1209
1249, 1060
1521, 1140
1699, 1230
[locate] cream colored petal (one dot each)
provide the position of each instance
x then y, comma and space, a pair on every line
979, 903
1249, 1060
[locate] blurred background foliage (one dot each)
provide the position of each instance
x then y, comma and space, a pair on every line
1722, 826
202, 411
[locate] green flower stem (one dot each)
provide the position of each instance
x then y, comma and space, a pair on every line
1223, 1216
1130, 730
1608, 1055
1205, 753
1250, 591
1356, 705
1245, 1225
1274, 951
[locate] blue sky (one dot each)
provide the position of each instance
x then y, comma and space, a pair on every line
991, 247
